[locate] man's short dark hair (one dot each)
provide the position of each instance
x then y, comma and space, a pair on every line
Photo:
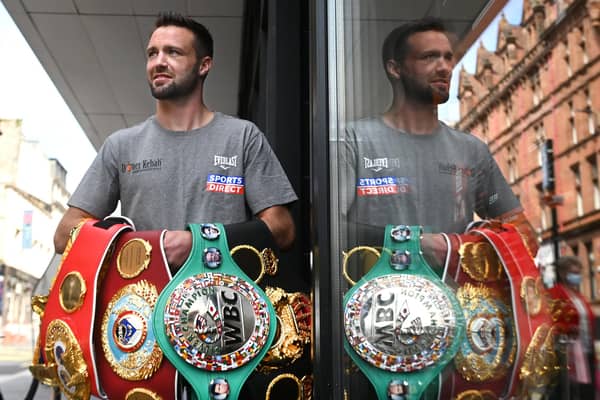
204, 41
395, 45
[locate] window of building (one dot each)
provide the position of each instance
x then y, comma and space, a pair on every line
540, 138
583, 47
536, 88
567, 58
577, 180
593, 164
508, 112
513, 172
591, 115
573, 127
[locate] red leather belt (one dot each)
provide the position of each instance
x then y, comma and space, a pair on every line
536, 363
483, 362
130, 362
68, 320
503, 294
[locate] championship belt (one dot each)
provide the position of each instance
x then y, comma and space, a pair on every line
211, 321
130, 361
536, 365
402, 324
67, 326
486, 357
294, 329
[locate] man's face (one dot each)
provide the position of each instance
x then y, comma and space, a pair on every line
172, 65
426, 71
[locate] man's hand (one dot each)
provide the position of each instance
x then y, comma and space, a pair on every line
521, 223
178, 245
435, 250
70, 219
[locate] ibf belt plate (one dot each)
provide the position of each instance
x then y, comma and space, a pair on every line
128, 339
216, 322
400, 322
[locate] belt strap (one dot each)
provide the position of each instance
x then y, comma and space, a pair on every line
485, 359
68, 323
130, 361
536, 365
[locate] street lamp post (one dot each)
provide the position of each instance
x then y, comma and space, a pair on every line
550, 198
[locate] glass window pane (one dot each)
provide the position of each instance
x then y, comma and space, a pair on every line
437, 113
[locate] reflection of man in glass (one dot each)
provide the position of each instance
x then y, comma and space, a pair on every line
406, 166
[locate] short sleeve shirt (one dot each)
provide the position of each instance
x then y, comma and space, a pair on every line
437, 180
223, 172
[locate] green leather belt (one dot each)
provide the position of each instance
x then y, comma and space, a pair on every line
211, 321
402, 324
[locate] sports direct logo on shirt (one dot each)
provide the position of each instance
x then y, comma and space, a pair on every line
381, 186
225, 184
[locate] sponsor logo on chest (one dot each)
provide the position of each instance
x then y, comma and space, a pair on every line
225, 162
225, 184
453, 169
382, 186
380, 163
141, 166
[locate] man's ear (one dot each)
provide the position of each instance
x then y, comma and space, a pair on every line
392, 68
205, 66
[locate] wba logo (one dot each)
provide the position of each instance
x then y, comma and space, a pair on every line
225, 162
376, 164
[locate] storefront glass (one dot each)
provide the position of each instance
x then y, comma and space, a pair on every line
434, 304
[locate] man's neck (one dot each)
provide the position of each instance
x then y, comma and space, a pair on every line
411, 117
182, 115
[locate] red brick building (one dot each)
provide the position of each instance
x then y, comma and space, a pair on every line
543, 82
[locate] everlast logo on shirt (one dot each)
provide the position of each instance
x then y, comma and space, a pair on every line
225, 162
376, 164
141, 166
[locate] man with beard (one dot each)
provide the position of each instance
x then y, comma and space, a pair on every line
187, 163
406, 166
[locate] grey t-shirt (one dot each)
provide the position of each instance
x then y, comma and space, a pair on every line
224, 172
436, 180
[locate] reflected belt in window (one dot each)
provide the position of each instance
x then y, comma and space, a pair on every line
402, 324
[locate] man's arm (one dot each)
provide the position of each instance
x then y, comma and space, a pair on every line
278, 219
71, 218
